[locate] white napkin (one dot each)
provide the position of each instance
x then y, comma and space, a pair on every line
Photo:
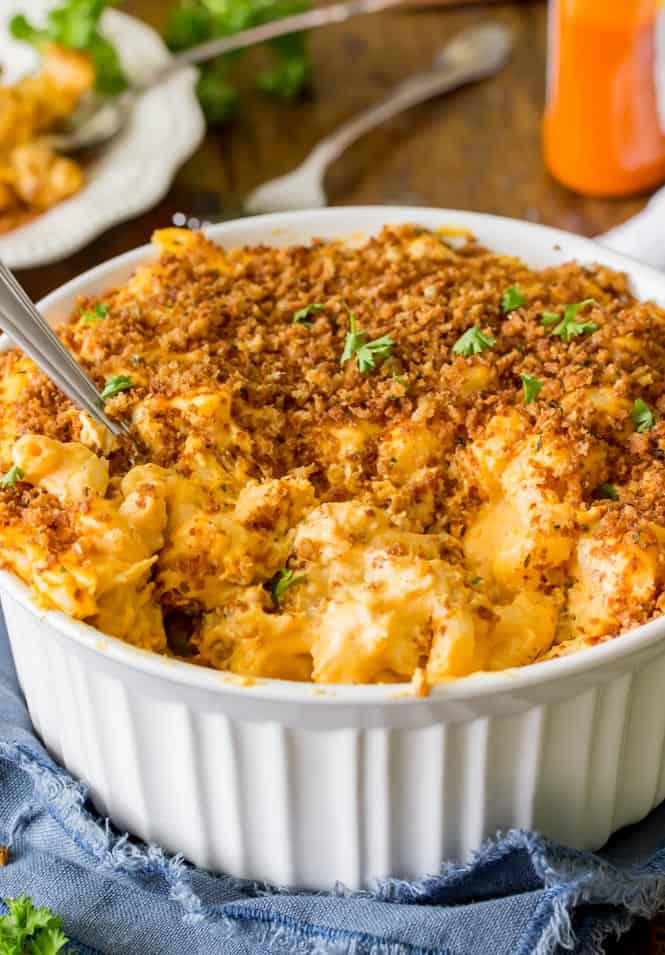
643, 236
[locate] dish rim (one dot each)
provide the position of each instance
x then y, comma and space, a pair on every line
474, 686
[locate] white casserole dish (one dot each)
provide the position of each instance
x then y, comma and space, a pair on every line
301, 784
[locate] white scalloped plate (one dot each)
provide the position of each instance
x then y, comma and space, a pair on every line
135, 170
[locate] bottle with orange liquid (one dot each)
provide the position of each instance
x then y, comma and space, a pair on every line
604, 126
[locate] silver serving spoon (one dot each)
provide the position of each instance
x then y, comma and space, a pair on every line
98, 119
473, 54
24, 325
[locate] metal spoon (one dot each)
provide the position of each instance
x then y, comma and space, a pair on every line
21, 321
473, 54
98, 119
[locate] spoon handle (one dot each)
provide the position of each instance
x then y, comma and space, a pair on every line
474, 54
321, 16
24, 325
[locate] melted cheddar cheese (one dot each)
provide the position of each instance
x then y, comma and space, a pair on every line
292, 513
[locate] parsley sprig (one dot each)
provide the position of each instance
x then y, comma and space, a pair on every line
472, 342
366, 352
642, 415
568, 327
532, 387
27, 930
9, 479
302, 315
513, 298
75, 24
193, 21
97, 314
281, 582
115, 385
606, 492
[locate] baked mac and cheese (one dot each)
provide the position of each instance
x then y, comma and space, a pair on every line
408, 460
33, 176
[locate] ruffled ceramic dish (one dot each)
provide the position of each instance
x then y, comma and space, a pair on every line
130, 174
307, 784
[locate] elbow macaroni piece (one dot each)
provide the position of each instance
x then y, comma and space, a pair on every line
94, 561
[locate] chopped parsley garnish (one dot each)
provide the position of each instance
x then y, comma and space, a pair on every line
30, 931
512, 299
14, 474
607, 492
301, 316
532, 387
191, 22
475, 581
115, 385
75, 24
568, 327
136, 360
356, 344
281, 582
472, 342
642, 415
98, 313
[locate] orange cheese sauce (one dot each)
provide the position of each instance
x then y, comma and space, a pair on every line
602, 132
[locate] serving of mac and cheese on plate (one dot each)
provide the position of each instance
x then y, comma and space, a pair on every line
409, 459
33, 176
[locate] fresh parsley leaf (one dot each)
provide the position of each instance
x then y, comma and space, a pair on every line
300, 317
281, 582
115, 385
14, 474
286, 79
189, 25
472, 342
512, 298
110, 79
27, 930
218, 97
98, 313
21, 29
194, 21
75, 24
568, 327
356, 344
532, 387
49, 942
606, 492
642, 415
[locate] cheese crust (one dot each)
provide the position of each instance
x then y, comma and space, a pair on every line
296, 517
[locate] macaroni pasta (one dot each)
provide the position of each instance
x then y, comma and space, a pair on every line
400, 461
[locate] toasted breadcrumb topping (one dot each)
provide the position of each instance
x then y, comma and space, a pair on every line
201, 320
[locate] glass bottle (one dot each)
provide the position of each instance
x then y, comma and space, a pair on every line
604, 121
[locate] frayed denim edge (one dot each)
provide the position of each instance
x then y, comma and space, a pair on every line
572, 878
63, 799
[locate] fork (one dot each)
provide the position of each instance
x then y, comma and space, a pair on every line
25, 326
472, 55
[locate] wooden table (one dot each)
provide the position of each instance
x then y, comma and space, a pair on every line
478, 148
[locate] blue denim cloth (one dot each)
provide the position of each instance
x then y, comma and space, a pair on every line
522, 895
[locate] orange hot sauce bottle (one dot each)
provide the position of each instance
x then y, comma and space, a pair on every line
603, 129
